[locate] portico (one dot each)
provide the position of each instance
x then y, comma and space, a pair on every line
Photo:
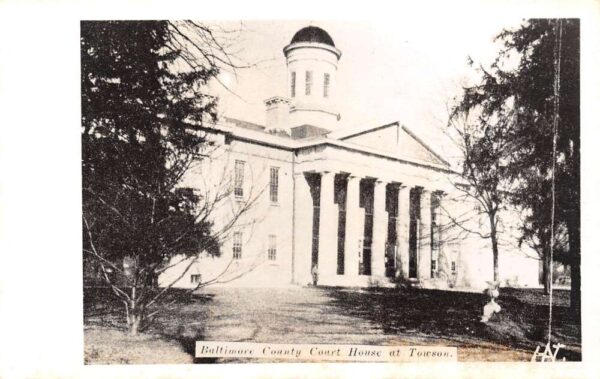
368, 227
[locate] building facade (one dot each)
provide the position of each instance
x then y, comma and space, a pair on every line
309, 201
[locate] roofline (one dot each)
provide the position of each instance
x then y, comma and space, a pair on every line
373, 129
371, 151
406, 129
260, 138
413, 135
313, 45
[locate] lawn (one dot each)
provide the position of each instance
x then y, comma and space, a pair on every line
331, 315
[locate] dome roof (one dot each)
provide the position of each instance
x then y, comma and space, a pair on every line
312, 34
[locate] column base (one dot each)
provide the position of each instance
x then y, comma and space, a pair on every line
363, 281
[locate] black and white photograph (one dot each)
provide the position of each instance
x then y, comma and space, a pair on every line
276, 191
314, 222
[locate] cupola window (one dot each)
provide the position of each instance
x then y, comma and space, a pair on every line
293, 84
308, 83
326, 85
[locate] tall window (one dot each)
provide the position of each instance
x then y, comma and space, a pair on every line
237, 245
195, 278
308, 83
239, 179
293, 84
326, 85
274, 186
272, 250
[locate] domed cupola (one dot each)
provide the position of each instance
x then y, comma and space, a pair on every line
312, 34
312, 61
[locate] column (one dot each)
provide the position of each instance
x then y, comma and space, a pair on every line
435, 252
327, 261
444, 263
403, 232
425, 235
380, 218
355, 219
303, 215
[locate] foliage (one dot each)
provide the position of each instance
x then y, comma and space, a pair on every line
143, 114
527, 91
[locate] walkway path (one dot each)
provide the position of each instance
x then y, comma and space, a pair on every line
314, 315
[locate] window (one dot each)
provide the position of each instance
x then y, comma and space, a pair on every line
433, 267
195, 278
237, 245
272, 251
293, 84
274, 186
239, 179
308, 83
326, 85
453, 267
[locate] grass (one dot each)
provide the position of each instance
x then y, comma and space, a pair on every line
114, 346
335, 315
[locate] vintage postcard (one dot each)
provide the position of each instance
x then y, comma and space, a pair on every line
254, 195
256, 183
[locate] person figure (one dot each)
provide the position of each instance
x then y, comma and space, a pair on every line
489, 309
315, 274
492, 307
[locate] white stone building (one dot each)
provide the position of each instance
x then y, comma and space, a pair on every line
357, 208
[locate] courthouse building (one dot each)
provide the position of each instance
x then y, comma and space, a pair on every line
367, 207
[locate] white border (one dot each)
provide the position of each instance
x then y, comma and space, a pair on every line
40, 266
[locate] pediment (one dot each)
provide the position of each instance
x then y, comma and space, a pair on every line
396, 139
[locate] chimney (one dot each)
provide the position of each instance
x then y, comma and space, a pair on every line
278, 112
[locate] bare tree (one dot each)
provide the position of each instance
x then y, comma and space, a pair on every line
146, 117
483, 181
134, 280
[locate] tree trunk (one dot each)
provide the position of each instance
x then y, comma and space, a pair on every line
575, 260
546, 270
136, 313
494, 238
134, 325
544, 252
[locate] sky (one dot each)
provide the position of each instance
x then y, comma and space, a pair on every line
408, 71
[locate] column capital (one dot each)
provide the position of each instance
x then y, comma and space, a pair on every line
411, 184
326, 173
403, 190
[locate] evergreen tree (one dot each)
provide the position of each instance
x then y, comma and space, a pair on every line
142, 112
528, 91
